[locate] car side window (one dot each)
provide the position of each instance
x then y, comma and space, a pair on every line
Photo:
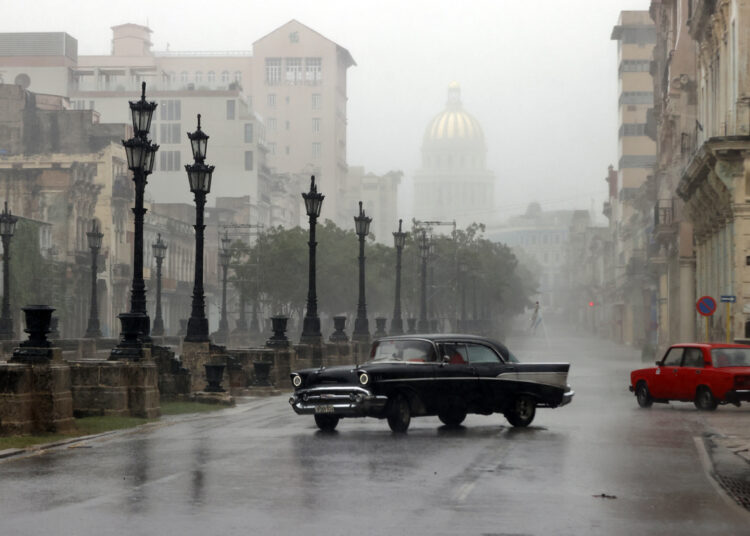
455, 352
481, 354
673, 357
693, 357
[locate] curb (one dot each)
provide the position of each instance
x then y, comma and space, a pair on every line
728, 468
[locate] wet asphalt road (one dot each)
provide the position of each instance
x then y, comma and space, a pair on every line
599, 466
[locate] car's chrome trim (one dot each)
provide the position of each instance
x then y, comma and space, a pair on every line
347, 401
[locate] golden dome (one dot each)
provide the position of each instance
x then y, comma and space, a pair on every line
454, 123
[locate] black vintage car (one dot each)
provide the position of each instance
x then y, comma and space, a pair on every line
419, 375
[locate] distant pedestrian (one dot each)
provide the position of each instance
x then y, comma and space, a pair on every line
536, 318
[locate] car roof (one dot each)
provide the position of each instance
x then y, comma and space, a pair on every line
709, 345
439, 337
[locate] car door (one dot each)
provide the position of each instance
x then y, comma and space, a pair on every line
488, 365
456, 377
689, 375
664, 383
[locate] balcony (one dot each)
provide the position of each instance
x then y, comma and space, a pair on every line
665, 225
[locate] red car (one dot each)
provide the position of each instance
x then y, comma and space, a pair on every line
706, 374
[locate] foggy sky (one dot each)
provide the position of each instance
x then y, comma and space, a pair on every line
540, 76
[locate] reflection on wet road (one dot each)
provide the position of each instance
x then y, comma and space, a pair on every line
598, 466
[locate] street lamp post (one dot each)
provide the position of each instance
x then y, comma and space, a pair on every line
141, 155
225, 255
311, 323
424, 252
199, 176
160, 250
94, 238
399, 239
361, 331
7, 228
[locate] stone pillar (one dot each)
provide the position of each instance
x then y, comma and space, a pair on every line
194, 356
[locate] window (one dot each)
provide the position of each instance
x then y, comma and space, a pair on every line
169, 133
286, 125
316, 150
481, 354
271, 124
272, 148
184, 77
198, 77
313, 68
637, 97
169, 160
224, 77
248, 160
170, 110
230, 109
211, 77
673, 358
238, 76
271, 100
693, 357
316, 101
248, 132
273, 71
316, 124
632, 129
293, 70
635, 66
453, 353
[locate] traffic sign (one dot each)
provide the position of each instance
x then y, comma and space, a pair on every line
728, 299
706, 305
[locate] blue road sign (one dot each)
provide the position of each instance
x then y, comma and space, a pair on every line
729, 299
706, 305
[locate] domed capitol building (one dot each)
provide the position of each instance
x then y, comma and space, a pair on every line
454, 182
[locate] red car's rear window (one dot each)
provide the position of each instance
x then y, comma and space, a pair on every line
730, 357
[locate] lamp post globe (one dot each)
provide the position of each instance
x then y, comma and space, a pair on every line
424, 252
361, 331
159, 249
225, 256
199, 178
311, 323
399, 239
94, 238
7, 229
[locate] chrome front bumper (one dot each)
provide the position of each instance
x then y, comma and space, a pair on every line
348, 401
567, 397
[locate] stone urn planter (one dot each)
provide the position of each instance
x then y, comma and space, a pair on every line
380, 327
339, 335
214, 375
38, 320
279, 338
262, 371
183, 327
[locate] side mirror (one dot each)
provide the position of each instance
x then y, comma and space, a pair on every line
658, 363
446, 360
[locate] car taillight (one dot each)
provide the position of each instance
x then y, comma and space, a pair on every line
742, 382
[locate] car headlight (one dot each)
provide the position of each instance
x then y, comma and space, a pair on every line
297, 380
364, 379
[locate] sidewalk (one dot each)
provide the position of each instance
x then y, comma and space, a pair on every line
730, 465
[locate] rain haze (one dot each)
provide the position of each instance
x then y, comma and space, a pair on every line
541, 77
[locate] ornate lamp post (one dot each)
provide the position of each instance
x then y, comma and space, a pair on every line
225, 255
311, 324
199, 175
399, 239
7, 228
160, 251
94, 238
141, 155
361, 331
424, 252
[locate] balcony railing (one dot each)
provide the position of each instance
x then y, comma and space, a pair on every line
664, 212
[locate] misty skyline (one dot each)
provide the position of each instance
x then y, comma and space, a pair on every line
540, 77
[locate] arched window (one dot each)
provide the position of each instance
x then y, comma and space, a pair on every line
224, 77
211, 77
198, 77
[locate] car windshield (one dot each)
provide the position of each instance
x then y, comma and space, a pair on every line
402, 350
731, 357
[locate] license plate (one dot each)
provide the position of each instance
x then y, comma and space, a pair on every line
324, 409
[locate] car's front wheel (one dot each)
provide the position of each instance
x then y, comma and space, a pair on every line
399, 414
704, 399
643, 396
522, 411
327, 423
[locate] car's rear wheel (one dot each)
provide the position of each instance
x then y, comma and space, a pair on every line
643, 396
522, 411
327, 423
399, 414
704, 399
452, 415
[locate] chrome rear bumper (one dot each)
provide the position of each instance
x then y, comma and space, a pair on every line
348, 401
567, 397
